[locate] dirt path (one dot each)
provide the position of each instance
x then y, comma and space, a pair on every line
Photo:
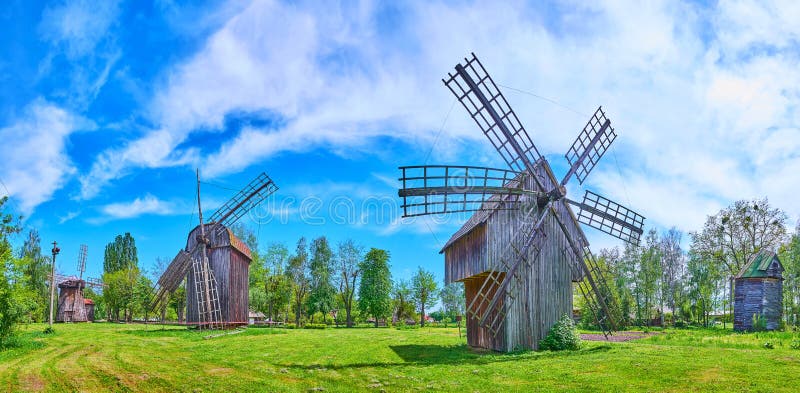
617, 336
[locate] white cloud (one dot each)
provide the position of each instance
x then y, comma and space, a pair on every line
148, 204
35, 163
704, 99
78, 26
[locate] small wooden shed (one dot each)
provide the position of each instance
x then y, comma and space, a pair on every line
70, 301
472, 251
758, 292
229, 259
89, 305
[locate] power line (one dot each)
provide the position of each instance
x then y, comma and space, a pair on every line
550, 100
438, 134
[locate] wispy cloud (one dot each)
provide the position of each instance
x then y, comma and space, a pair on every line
35, 163
705, 100
148, 204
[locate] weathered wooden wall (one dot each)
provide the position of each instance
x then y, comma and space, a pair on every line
759, 296
89, 312
546, 293
477, 336
229, 260
70, 302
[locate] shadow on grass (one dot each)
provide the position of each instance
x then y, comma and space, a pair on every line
425, 355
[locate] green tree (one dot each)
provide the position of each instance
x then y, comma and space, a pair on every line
789, 255
348, 258
403, 301
121, 266
453, 300
35, 275
424, 290
178, 302
297, 272
277, 286
120, 254
735, 234
322, 294
12, 305
374, 291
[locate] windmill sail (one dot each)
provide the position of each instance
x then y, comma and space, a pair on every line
590, 146
487, 106
437, 189
610, 217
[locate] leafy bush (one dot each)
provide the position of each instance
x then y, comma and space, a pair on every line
795, 344
680, 324
315, 326
290, 325
561, 336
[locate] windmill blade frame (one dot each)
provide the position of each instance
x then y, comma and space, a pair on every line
590, 146
488, 107
245, 200
610, 217
438, 189
172, 278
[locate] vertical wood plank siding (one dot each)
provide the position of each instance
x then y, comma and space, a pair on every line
546, 291
71, 306
229, 260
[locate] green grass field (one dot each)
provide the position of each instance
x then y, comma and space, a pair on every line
137, 358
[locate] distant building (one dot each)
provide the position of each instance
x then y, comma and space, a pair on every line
255, 317
758, 292
70, 301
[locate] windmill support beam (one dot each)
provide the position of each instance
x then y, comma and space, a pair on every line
577, 164
579, 254
422, 191
511, 271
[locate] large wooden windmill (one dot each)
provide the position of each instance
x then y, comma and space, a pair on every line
522, 249
215, 263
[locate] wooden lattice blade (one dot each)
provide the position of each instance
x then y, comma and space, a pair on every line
437, 189
590, 146
171, 279
245, 200
487, 106
610, 217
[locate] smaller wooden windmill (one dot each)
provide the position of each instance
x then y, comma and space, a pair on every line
522, 249
215, 263
71, 304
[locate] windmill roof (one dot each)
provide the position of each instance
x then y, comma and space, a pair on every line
478, 218
758, 266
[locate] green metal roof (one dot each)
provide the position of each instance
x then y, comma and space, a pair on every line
757, 267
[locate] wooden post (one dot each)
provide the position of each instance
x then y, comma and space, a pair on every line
458, 319
55, 251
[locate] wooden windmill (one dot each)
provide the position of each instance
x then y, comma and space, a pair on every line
71, 303
215, 263
523, 247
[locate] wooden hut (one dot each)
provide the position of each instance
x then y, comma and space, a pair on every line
229, 259
70, 301
758, 292
472, 250
88, 304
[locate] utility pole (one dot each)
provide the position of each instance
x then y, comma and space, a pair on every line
55, 251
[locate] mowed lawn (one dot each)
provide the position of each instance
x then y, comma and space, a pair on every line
137, 358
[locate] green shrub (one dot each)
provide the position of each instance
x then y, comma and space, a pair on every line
561, 336
290, 326
795, 344
315, 326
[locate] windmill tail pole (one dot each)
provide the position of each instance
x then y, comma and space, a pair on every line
55, 251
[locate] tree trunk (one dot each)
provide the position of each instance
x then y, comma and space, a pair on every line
349, 318
376, 321
422, 316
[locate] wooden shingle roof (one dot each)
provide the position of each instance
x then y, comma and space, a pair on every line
759, 266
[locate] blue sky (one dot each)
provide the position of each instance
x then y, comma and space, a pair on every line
108, 107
